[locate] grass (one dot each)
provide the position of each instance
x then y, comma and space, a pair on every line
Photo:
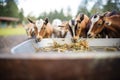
12, 31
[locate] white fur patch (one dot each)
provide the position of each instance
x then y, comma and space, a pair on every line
32, 29
70, 22
56, 22
57, 28
93, 21
73, 30
62, 32
39, 24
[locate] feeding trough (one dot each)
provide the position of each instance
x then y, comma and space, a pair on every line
25, 64
95, 44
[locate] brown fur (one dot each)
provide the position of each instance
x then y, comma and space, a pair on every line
98, 27
28, 27
114, 28
81, 27
110, 23
45, 32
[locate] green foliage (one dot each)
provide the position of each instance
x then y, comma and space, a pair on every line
55, 14
82, 8
8, 8
2, 8
11, 8
21, 16
112, 5
99, 6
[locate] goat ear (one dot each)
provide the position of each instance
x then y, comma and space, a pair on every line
30, 21
81, 17
46, 20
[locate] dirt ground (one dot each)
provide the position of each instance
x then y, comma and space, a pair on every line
8, 42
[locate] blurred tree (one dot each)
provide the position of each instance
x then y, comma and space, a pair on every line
68, 10
83, 8
69, 16
50, 16
97, 7
3, 2
55, 14
11, 9
2, 7
61, 15
42, 15
21, 16
112, 5
8, 8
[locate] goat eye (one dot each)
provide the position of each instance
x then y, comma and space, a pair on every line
99, 24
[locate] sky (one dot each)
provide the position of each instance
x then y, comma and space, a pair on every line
35, 7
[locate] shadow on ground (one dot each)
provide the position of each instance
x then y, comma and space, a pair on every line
7, 42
